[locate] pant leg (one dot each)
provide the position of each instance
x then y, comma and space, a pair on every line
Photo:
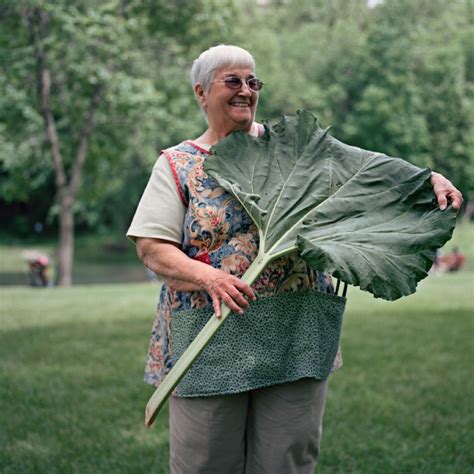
207, 434
284, 427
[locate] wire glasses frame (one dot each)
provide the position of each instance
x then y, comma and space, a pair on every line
235, 82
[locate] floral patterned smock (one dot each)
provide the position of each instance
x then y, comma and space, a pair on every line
217, 231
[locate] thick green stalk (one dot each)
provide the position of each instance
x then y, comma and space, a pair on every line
193, 351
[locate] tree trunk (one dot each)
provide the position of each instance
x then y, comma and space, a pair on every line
66, 191
65, 256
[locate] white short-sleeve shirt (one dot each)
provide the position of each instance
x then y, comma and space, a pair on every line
160, 212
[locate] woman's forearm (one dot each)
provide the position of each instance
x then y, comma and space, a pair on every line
185, 274
168, 261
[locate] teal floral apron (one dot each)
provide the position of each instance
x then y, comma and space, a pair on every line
290, 332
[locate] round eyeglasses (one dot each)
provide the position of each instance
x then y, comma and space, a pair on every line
235, 82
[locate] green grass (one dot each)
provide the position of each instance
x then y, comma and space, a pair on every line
72, 400
71, 364
403, 401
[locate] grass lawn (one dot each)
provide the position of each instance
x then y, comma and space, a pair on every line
72, 400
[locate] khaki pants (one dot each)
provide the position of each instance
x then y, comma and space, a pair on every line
270, 430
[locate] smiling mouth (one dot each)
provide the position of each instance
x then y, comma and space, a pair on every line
240, 104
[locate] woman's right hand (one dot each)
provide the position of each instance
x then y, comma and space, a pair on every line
225, 288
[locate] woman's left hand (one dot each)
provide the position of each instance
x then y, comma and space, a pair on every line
446, 192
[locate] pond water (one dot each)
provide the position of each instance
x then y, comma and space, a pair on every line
87, 274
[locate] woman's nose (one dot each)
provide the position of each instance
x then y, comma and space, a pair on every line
245, 89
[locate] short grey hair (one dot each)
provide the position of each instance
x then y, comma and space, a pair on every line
216, 58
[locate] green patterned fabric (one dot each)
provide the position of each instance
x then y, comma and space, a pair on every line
279, 339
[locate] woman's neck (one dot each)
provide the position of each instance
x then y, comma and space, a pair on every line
212, 136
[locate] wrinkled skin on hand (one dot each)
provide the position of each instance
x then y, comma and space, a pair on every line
221, 287
226, 288
446, 192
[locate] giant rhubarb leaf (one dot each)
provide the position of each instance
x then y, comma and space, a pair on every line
368, 218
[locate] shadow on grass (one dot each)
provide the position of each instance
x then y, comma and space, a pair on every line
73, 400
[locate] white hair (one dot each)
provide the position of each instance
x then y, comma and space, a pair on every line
216, 58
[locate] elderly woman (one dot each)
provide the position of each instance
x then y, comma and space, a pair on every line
192, 233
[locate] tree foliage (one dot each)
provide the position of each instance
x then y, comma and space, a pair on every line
397, 78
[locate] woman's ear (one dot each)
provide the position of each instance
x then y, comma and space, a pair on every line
200, 95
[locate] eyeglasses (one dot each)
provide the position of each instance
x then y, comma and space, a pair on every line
235, 82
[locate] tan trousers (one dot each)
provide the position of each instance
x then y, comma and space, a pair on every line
270, 430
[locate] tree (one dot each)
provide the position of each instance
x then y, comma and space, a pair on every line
397, 78
416, 102
93, 84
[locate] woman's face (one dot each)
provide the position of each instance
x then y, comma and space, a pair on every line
230, 109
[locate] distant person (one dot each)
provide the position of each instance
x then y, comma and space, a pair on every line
38, 267
452, 262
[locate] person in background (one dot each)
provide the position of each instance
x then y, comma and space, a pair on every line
452, 262
38, 270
